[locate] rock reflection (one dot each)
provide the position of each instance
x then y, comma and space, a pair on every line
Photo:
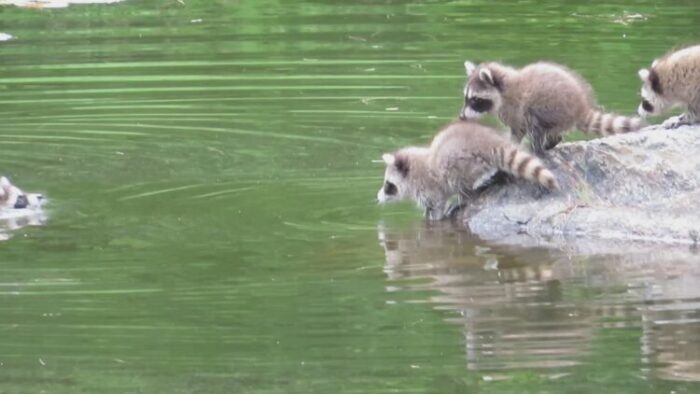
543, 307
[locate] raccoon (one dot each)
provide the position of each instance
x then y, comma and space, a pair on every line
460, 159
12, 197
672, 81
542, 100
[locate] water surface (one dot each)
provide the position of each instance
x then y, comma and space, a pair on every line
212, 225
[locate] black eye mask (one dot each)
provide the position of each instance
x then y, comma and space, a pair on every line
389, 188
21, 202
647, 106
479, 105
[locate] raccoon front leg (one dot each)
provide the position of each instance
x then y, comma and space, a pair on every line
435, 212
691, 116
675, 122
539, 141
462, 199
552, 141
455, 208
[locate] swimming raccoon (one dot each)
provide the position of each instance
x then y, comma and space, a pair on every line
542, 100
672, 81
461, 158
13, 197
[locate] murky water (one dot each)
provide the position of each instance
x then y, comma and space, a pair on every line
212, 225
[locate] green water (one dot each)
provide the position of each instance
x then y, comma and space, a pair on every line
212, 225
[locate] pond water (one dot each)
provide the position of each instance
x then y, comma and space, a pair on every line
212, 225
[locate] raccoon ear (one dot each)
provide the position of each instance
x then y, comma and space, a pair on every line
401, 164
469, 67
389, 159
643, 74
654, 63
486, 76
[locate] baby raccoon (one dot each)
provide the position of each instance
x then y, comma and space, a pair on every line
459, 160
542, 100
673, 80
12, 197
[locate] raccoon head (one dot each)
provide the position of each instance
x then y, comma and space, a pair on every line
12, 197
482, 93
396, 184
653, 101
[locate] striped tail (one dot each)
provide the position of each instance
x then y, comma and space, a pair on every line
604, 124
524, 165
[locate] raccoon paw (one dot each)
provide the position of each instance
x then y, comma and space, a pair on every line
675, 122
432, 214
453, 209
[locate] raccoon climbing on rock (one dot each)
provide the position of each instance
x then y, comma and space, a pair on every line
461, 158
541, 100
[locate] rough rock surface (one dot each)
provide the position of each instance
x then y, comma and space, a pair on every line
642, 186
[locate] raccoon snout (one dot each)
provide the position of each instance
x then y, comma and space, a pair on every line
645, 109
21, 202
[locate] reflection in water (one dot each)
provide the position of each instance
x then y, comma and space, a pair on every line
53, 3
11, 221
544, 308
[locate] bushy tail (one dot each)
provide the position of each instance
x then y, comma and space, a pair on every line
604, 124
524, 165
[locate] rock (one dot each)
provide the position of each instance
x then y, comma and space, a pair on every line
642, 186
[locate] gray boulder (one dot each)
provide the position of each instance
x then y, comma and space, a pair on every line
642, 186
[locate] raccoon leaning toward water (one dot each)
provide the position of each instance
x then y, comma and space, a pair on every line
673, 81
461, 158
541, 100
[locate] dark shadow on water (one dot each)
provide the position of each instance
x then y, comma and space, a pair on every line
547, 308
